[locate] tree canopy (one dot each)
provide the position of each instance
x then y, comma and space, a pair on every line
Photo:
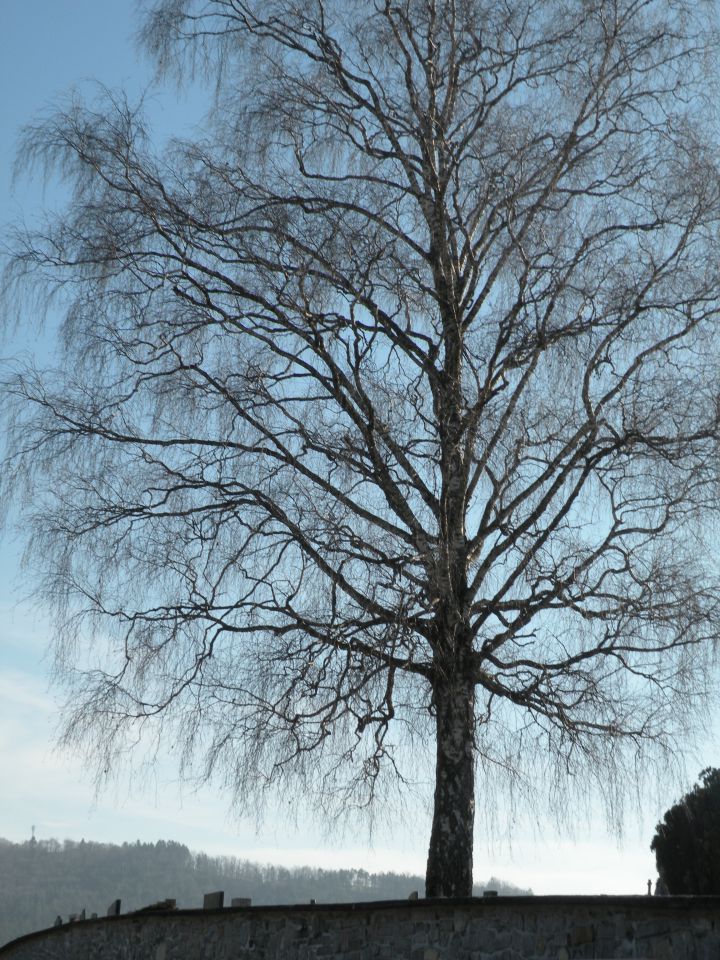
387, 420
687, 841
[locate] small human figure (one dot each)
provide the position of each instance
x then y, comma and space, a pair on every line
649, 887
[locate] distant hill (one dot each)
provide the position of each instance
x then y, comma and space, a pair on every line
40, 880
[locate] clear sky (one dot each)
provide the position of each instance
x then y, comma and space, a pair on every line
46, 48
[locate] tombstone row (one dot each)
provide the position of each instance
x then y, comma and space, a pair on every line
216, 900
211, 901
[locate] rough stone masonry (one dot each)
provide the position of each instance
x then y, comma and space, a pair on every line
502, 928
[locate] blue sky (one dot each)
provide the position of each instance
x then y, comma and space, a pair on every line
46, 48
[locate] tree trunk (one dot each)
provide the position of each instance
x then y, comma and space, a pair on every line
450, 858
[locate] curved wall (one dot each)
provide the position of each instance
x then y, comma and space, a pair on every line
506, 928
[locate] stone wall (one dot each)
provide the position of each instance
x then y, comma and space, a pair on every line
503, 928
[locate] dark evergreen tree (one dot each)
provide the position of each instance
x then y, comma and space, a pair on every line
687, 842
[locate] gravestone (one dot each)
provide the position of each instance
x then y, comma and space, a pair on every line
214, 901
114, 909
169, 904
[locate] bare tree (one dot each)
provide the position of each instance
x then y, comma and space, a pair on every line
389, 407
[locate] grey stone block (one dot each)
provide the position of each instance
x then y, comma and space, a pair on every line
214, 901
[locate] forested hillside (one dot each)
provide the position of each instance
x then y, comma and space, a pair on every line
40, 880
